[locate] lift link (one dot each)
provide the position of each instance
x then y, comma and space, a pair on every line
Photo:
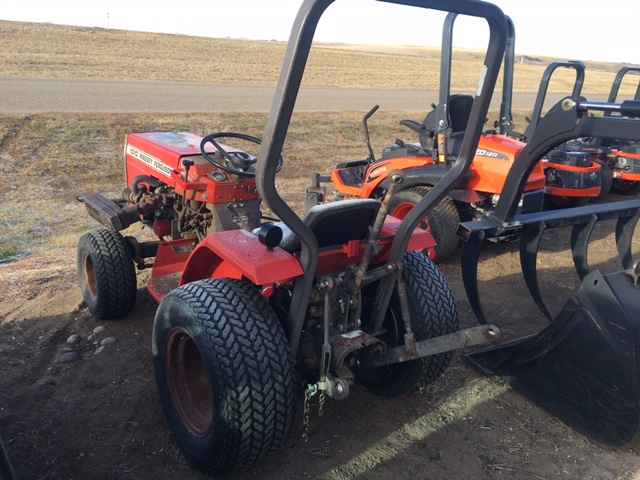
395, 179
409, 337
469, 337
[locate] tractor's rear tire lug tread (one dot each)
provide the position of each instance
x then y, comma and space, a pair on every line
433, 313
441, 301
115, 272
443, 220
252, 359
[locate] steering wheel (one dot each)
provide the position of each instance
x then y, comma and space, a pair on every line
236, 163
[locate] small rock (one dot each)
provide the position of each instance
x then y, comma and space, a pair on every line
69, 357
98, 350
90, 337
73, 339
98, 329
108, 341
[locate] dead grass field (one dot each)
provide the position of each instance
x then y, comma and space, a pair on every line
56, 51
50, 158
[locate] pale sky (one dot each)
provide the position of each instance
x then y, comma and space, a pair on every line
567, 29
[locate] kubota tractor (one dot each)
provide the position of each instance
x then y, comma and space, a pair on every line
572, 179
473, 196
247, 308
561, 179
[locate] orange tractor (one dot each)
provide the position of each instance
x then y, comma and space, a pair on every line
560, 179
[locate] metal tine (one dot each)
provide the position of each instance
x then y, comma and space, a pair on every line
580, 235
625, 227
469, 258
529, 244
531, 227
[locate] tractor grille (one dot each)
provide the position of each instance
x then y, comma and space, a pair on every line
630, 165
568, 179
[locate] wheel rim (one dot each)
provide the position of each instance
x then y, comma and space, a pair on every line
189, 383
624, 186
561, 201
91, 279
403, 210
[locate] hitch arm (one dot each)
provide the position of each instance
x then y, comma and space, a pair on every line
482, 335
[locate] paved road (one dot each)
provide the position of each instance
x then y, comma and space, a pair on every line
43, 95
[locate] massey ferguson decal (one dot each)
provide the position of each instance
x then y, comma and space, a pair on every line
153, 162
481, 152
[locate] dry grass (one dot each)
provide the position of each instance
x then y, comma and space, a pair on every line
56, 51
49, 159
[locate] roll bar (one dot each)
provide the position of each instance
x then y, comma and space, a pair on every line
280, 117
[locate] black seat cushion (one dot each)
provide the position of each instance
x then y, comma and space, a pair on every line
335, 223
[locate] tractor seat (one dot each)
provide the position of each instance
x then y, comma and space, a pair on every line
459, 112
335, 223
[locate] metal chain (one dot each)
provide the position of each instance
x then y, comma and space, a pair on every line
308, 393
321, 400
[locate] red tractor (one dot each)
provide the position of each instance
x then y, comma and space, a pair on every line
248, 309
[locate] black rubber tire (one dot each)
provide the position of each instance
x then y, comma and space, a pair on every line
442, 220
106, 274
567, 202
606, 180
433, 313
625, 188
224, 372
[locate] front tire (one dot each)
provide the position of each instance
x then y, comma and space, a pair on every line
224, 372
433, 313
442, 221
606, 180
567, 202
622, 187
106, 274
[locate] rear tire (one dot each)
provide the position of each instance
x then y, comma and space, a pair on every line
224, 372
442, 221
433, 313
106, 274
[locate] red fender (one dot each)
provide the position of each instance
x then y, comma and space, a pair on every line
238, 254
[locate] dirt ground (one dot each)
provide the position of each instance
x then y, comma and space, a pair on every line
100, 418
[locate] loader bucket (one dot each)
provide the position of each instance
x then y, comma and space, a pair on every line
583, 367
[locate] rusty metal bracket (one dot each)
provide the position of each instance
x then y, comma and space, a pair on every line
481, 335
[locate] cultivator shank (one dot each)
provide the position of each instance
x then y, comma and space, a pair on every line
530, 229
